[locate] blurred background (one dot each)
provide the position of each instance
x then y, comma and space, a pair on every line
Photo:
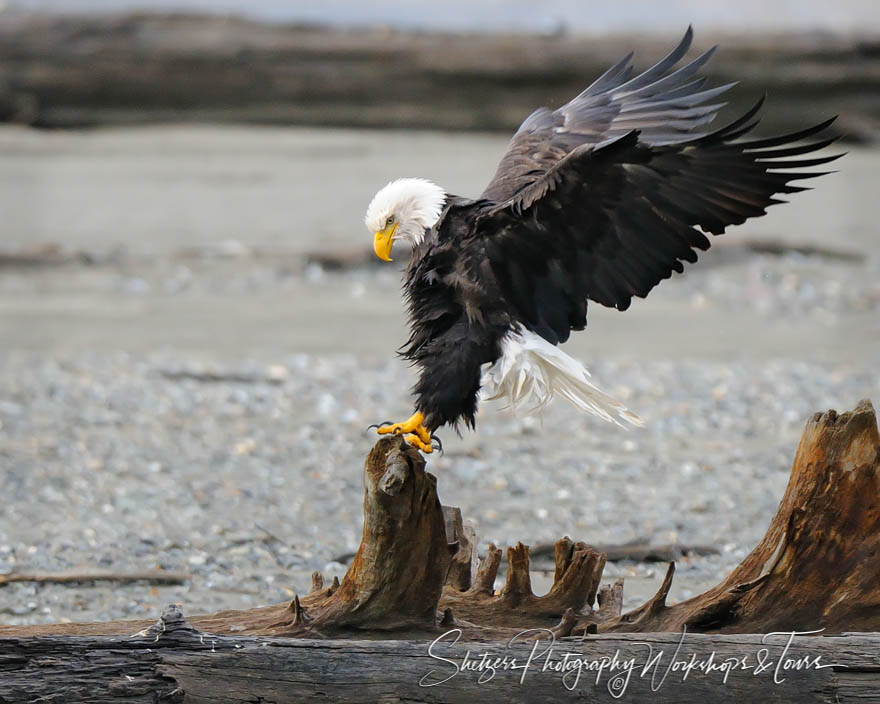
194, 332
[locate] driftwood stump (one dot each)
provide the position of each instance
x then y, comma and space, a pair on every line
818, 564
395, 579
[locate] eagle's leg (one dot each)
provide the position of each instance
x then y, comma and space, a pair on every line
413, 429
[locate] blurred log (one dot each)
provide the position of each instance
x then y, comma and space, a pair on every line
138, 68
640, 550
543, 555
152, 576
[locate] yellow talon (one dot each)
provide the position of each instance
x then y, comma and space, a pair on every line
414, 431
415, 441
413, 424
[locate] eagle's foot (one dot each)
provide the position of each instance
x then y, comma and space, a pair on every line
414, 424
416, 442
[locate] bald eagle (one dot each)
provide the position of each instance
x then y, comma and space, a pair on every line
597, 200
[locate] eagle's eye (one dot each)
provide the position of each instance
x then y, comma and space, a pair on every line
389, 221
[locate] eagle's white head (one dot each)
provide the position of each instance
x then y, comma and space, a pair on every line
403, 210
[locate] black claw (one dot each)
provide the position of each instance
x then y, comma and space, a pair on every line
378, 425
439, 447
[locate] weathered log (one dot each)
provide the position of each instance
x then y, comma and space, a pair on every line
172, 662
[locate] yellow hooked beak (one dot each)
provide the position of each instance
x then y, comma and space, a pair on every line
383, 242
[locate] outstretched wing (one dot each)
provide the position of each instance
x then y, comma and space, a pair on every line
609, 222
665, 104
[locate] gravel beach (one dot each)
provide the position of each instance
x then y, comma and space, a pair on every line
251, 486
208, 414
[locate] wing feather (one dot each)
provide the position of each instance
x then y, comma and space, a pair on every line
608, 222
666, 104
615, 190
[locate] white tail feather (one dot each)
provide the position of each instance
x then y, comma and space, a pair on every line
531, 370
